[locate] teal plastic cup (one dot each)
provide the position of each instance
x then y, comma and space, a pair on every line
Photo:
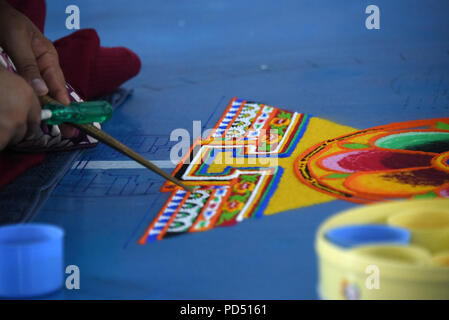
31, 260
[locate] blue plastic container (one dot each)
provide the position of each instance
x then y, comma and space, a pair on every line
357, 235
31, 260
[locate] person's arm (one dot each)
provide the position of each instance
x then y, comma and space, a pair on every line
34, 56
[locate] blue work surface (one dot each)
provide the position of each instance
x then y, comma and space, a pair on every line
309, 56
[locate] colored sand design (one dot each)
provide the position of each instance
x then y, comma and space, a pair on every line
243, 168
381, 163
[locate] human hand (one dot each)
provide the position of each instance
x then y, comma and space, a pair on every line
34, 56
20, 111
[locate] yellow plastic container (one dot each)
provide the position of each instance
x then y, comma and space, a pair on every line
429, 228
387, 271
441, 259
393, 254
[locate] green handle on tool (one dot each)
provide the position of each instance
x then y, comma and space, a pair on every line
77, 112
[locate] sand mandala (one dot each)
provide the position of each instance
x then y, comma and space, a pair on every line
261, 160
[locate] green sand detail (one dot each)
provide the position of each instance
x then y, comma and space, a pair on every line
410, 139
428, 195
442, 125
337, 175
356, 145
